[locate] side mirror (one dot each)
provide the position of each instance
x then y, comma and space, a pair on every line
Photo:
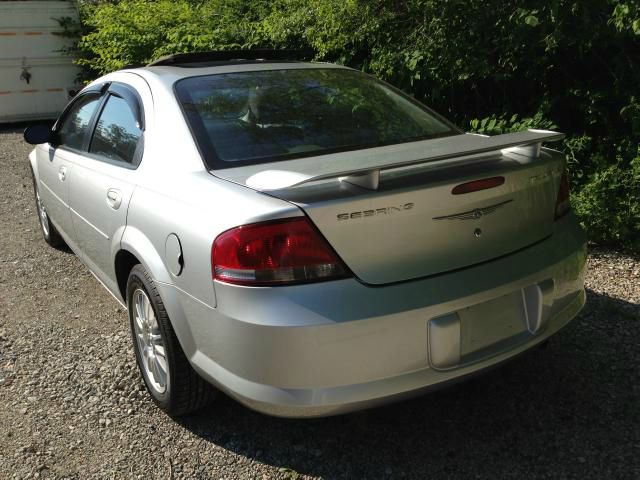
37, 134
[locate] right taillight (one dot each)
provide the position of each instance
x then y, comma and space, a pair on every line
562, 203
279, 252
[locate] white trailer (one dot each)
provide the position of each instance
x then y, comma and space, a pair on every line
37, 79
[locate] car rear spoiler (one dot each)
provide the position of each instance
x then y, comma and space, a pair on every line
362, 167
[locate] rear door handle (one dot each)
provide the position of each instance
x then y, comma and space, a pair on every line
114, 198
62, 173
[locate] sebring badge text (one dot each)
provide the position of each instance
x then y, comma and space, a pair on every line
374, 212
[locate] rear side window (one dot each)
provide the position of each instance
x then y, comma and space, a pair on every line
75, 124
117, 132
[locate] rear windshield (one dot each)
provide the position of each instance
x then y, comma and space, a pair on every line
263, 116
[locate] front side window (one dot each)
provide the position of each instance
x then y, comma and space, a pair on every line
75, 124
117, 132
269, 115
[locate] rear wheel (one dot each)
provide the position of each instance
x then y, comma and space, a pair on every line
170, 380
49, 232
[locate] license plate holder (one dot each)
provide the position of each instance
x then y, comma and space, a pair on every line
487, 326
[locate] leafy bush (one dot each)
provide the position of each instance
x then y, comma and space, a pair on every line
496, 125
609, 206
496, 66
139, 31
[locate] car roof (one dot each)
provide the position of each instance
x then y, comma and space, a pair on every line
168, 75
194, 59
171, 68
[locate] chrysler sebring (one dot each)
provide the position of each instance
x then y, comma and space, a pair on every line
303, 236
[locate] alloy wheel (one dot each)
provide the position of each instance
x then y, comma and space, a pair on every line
153, 355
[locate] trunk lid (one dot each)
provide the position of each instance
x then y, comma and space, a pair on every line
412, 225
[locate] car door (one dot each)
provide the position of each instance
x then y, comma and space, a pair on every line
102, 182
56, 160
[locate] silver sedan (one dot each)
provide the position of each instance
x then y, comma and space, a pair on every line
302, 236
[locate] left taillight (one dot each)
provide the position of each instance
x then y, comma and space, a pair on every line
276, 252
563, 204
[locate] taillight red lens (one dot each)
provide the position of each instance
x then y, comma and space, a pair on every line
562, 203
274, 253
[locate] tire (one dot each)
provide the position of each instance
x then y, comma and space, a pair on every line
170, 380
49, 232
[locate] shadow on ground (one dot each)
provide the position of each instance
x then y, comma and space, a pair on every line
561, 411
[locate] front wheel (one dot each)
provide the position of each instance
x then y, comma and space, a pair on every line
170, 380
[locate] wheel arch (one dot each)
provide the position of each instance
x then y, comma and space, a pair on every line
136, 248
124, 263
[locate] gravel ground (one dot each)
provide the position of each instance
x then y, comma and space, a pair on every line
73, 405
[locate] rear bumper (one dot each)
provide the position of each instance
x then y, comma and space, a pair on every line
328, 348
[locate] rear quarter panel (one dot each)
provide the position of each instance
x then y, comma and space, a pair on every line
196, 208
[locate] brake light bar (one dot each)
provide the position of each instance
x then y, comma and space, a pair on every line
477, 185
